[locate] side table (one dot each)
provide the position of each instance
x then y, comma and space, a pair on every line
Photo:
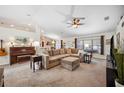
87, 58
34, 59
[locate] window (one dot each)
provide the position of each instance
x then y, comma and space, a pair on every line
87, 45
90, 45
96, 46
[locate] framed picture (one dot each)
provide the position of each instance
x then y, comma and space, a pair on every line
107, 41
118, 39
20, 39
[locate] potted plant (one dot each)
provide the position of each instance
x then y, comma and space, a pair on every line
119, 58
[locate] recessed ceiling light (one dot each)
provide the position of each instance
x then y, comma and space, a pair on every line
11, 25
106, 18
29, 24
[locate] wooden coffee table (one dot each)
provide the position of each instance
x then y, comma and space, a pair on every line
70, 63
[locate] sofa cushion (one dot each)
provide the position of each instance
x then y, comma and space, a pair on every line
74, 55
65, 49
53, 58
74, 51
64, 55
57, 57
56, 52
62, 51
50, 52
68, 51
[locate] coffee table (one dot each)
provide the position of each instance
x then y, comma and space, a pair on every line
70, 63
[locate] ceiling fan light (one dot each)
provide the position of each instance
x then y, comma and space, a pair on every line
12, 25
29, 24
75, 26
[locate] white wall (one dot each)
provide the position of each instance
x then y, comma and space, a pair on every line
7, 33
107, 47
120, 30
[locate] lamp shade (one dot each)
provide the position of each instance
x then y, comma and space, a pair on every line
53, 42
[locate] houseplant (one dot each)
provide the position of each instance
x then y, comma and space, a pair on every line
119, 59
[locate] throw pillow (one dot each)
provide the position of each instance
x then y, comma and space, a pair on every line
68, 51
62, 51
50, 53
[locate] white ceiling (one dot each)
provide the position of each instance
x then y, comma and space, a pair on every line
51, 18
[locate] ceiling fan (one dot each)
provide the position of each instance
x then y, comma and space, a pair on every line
75, 21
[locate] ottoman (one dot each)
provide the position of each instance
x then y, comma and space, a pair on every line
70, 63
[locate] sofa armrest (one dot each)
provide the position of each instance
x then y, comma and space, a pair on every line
45, 60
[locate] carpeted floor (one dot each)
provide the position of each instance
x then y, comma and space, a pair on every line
87, 75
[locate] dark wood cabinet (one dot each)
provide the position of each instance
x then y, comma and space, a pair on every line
20, 54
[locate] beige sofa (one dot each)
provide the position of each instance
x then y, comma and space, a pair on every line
53, 57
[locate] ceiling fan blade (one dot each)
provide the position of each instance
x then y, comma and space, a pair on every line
81, 24
69, 26
69, 23
82, 18
67, 18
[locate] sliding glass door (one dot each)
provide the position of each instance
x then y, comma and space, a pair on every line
90, 45
87, 45
96, 46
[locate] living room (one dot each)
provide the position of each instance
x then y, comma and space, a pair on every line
49, 46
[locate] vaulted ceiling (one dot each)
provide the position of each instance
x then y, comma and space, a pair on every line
53, 19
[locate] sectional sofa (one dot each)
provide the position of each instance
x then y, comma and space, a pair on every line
52, 58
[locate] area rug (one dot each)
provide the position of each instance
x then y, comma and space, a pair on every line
87, 75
